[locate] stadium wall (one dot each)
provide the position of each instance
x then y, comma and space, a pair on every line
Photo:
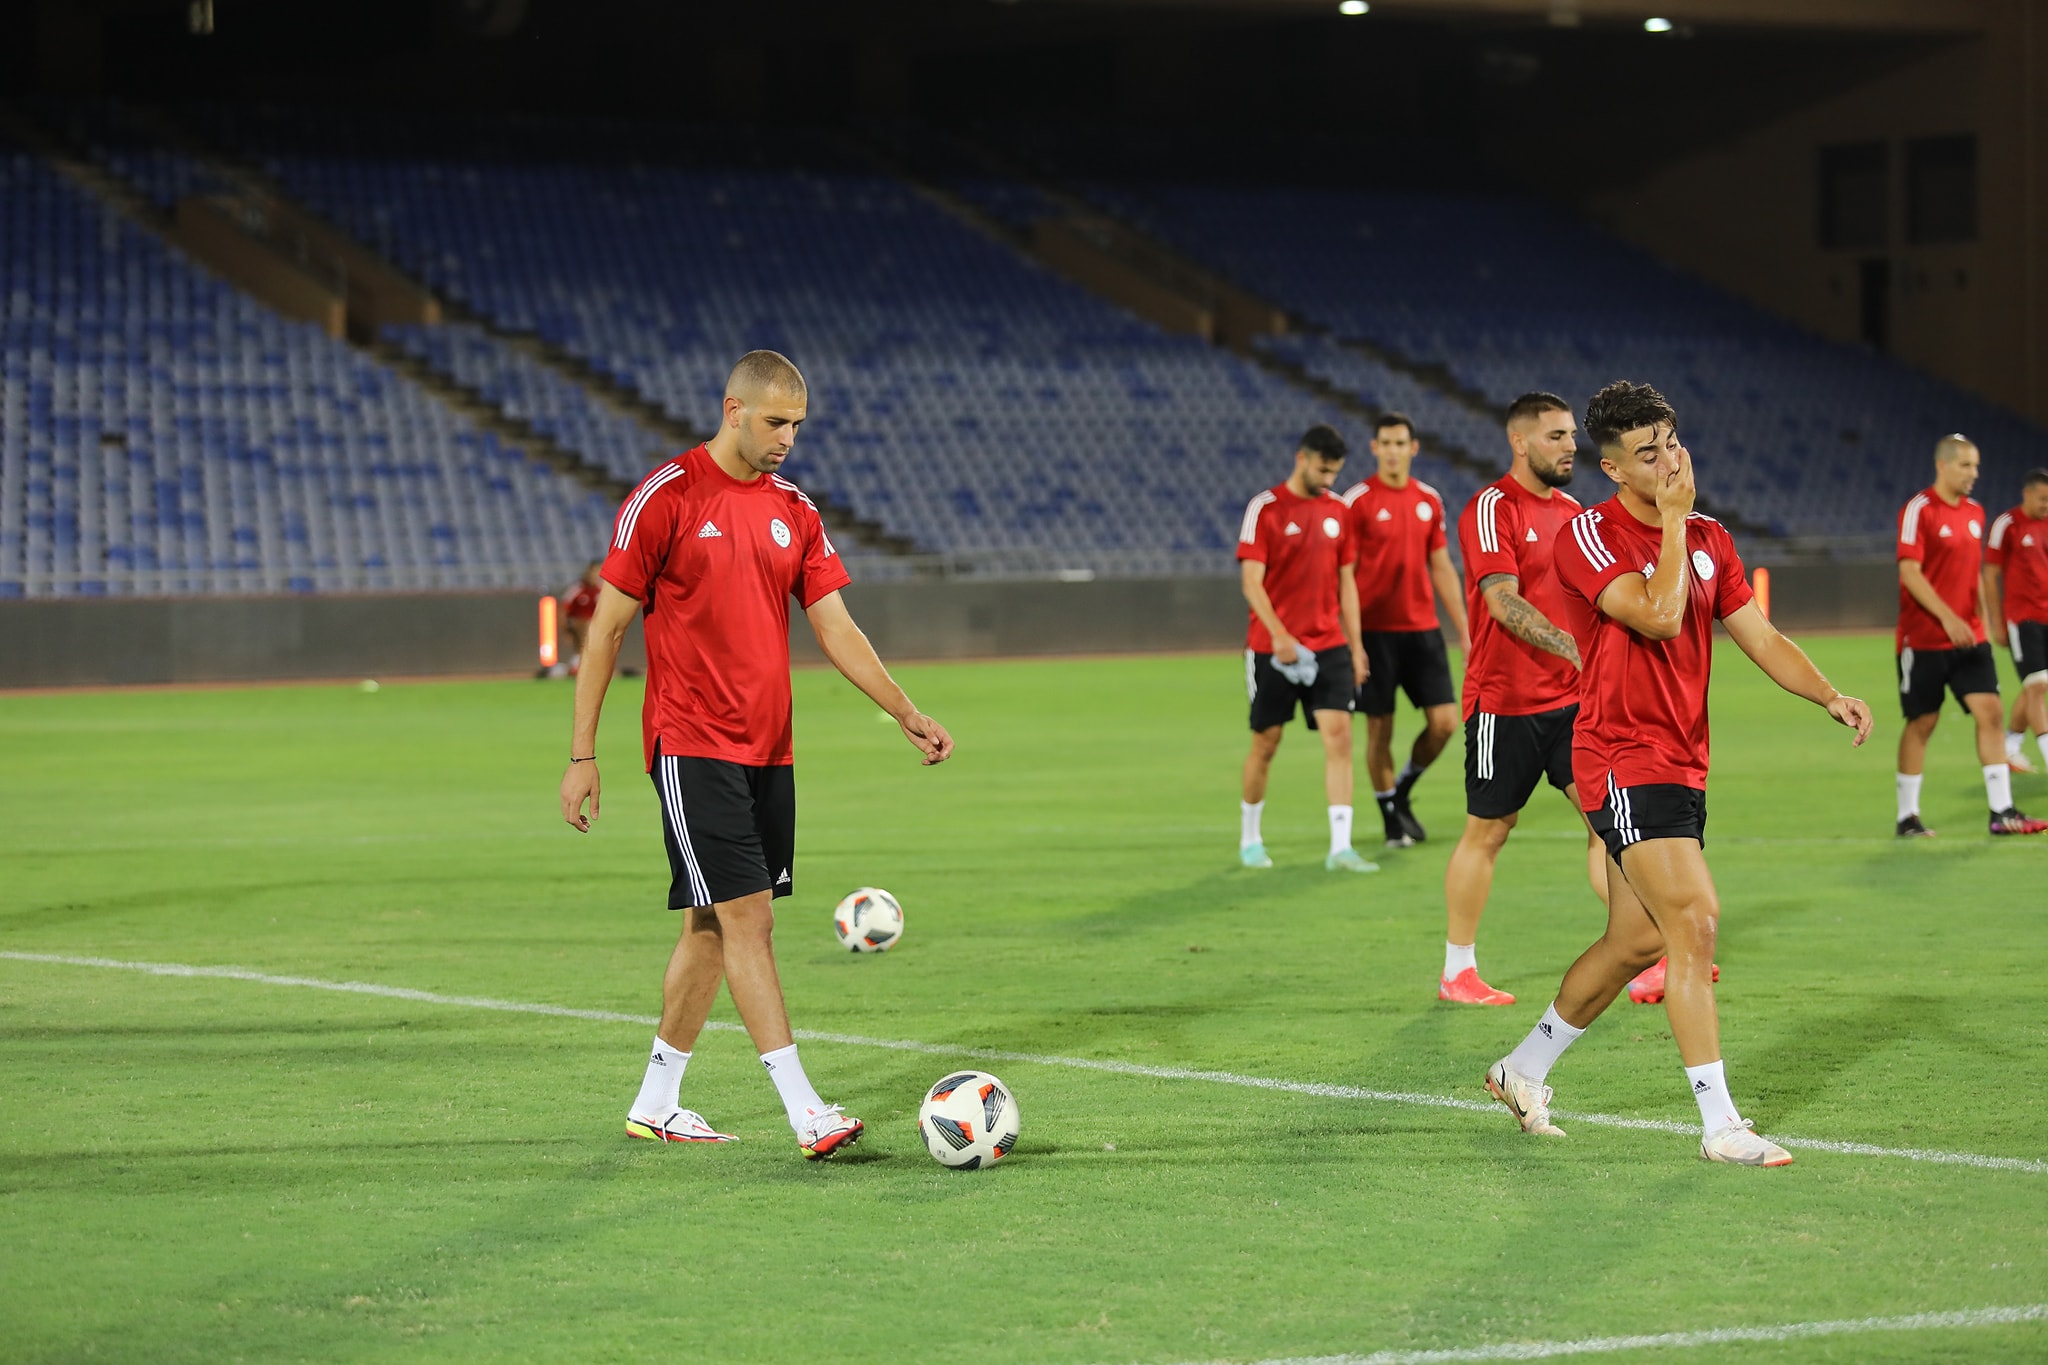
246, 639
1746, 214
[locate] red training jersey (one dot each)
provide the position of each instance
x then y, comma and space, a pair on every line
1507, 529
1948, 543
1302, 543
581, 603
1642, 702
2018, 544
716, 561
1396, 530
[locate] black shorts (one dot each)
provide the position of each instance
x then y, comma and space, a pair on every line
1655, 810
2029, 641
1506, 756
1274, 698
730, 828
1414, 661
1925, 673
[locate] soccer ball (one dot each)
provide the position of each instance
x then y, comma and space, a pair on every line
969, 1120
868, 921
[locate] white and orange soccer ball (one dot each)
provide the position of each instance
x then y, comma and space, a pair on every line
868, 921
969, 1120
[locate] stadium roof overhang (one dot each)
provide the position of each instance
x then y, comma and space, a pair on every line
1870, 16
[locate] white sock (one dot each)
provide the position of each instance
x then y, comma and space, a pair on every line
1248, 813
1909, 794
1459, 956
2041, 743
1710, 1089
663, 1081
1537, 1053
791, 1083
2013, 740
1998, 786
1340, 828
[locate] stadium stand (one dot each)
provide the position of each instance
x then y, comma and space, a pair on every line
1814, 441
162, 434
964, 398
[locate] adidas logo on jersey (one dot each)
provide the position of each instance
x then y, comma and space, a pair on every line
708, 531
1292, 529
1945, 531
1384, 515
1531, 537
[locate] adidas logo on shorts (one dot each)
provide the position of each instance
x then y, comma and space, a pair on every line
709, 531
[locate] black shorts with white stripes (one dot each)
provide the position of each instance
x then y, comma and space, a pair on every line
730, 828
1506, 756
1655, 810
2029, 640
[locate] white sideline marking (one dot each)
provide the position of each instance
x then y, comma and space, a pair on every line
1319, 1089
1717, 1336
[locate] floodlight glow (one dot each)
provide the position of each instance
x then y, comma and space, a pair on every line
1353, 8
1656, 26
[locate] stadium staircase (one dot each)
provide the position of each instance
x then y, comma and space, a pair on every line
1255, 327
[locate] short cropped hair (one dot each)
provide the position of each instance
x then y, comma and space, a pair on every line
1322, 439
763, 372
1950, 446
2034, 476
1623, 406
1393, 419
1535, 405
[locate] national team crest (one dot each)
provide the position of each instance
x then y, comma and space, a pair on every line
780, 532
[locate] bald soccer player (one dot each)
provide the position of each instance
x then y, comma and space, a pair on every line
1941, 643
711, 546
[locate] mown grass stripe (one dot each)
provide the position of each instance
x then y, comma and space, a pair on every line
1319, 1089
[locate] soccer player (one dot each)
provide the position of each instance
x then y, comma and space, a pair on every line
1941, 644
1645, 578
1522, 676
579, 604
1398, 522
2016, 594
713, 544
1301, 645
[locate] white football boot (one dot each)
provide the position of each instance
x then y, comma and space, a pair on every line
1528, 1100
1738, 1146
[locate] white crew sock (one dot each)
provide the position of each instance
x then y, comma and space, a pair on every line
2013, 740
1710, 1090
1459, 956
791, 1083
2041, 743
1536, 1054
1909, 794
1998, 786
1340, 829
663, 1081
1248, 813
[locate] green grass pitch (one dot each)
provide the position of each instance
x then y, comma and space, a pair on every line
197, 1169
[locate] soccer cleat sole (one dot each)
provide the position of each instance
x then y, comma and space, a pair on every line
832, 1144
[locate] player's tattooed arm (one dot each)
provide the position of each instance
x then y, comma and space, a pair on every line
1519, 617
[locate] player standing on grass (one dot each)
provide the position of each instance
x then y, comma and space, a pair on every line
715, 543
1645, 579
2016, 591
1521, 677
1398, 522
1941, 644
1301, 646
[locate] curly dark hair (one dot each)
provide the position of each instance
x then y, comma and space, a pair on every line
1623, 406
